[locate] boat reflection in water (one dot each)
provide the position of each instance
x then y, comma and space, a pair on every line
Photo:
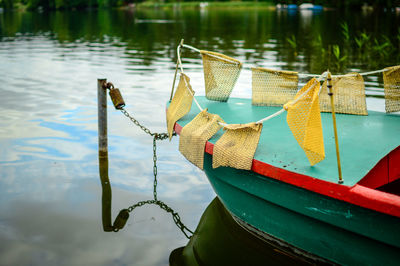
220, 240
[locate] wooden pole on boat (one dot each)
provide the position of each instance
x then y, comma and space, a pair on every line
102, 116
330, 93
176, 71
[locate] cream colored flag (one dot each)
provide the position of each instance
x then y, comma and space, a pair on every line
391, 80
180, 104
195, 134
349, 94
220, 75
273, 87
237, 146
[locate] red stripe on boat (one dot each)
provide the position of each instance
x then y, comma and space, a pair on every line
358, 195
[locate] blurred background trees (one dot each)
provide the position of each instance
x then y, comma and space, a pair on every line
82, 4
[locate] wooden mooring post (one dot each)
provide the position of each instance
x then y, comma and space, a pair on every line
103, 154
102, 117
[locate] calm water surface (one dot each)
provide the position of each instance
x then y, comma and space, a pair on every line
50, 192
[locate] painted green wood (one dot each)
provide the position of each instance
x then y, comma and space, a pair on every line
363, 140
329, 228
220, 240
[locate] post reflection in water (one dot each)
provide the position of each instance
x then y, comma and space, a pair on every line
218, 239
106, 194
123, 215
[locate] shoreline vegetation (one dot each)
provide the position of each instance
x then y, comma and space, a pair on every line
40, 5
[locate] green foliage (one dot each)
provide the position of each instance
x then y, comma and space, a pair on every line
339, 59
293, 43
46, 4
318, 45
7, 4
362, 41
345, 31
71, 4
345, 4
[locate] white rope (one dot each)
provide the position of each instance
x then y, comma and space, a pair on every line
194, 98
191, 48
271, 116
308, 75
178, 50
300, 74
322, 76
373, 72
362, 74
211, 55
224, 59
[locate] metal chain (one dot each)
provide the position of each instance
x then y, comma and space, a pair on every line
155, 167
160, 136
162, 205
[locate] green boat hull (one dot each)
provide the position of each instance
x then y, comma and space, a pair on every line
312, 223
220, 240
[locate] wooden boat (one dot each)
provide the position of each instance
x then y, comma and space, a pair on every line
220, 240
277, 195
285, 200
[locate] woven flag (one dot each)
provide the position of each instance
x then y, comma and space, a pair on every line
349, 94
304, 120
273, 87
220, 75
237, 146
195, 134
180, 104
391, 80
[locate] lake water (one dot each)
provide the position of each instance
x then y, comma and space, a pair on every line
50, 191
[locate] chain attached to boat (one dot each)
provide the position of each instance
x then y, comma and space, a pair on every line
123, 215
159, 136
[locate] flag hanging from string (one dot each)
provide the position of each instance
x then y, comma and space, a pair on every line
391, 80
220, 75
273, 87
237, 146
180, 104
195, 134
349, 93
304, 120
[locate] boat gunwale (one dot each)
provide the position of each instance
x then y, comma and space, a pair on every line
357, 194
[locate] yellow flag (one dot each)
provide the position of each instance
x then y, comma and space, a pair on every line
349, 91
273, 87
180, 104
236, 148
391, 80
195, 134
220, 75
304, 120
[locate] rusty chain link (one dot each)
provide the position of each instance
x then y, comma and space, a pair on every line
162, 205
159, 136
156, 136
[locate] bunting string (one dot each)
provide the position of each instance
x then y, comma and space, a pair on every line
305, 75
319, 77
303, 111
